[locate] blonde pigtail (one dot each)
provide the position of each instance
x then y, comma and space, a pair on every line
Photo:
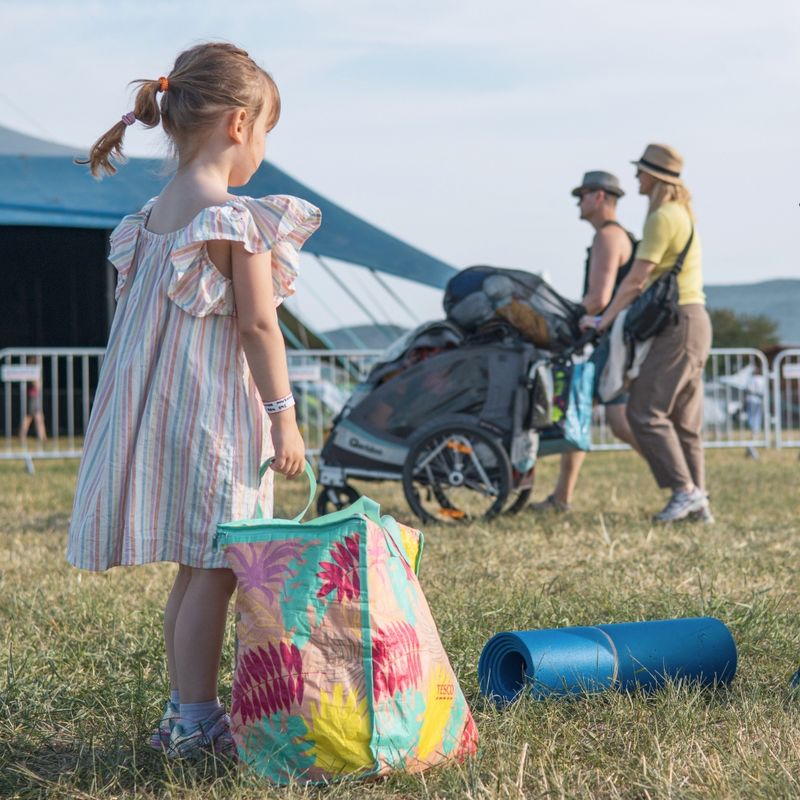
108, 148
146, 107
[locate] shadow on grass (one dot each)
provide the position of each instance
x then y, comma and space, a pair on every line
81, 770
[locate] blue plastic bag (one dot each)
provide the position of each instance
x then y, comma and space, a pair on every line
573, 390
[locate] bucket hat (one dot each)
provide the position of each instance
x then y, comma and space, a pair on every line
598, 179
662, 162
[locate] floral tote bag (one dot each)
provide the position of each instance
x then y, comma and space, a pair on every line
340, 672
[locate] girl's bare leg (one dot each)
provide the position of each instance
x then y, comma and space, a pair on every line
170, 616
198, 632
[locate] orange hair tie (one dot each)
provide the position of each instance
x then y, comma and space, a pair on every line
163, 84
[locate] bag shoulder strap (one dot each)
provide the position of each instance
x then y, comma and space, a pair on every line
682, 257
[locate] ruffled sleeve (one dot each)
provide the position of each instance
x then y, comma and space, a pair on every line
124, 239
277, 223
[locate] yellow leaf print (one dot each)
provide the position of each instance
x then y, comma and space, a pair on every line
439, 697
410, 539
340, 731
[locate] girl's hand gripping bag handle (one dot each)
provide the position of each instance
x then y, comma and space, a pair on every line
340, 672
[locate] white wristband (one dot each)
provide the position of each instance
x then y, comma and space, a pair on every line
276, 406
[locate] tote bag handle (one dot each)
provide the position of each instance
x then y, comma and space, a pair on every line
364, 505
312, 488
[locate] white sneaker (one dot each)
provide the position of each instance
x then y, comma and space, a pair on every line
681, 504
209, 737
704, 515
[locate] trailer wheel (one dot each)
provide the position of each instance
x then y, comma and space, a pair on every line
333, 498
456, 472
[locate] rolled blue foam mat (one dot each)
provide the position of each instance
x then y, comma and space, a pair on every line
794, 683
624, 656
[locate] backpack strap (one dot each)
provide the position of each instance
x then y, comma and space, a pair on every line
682, 257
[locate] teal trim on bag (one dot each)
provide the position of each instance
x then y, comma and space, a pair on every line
366, 648
364, 505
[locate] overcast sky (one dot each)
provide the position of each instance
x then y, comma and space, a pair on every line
461, 127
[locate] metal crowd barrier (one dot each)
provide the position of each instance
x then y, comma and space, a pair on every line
786, 396
743, 402
58, 381
322, 380
737, 409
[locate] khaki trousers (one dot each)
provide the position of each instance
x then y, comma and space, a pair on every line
665, 409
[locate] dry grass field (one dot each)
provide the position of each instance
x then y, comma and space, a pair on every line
82, 674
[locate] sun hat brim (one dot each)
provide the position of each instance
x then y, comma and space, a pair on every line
662, 175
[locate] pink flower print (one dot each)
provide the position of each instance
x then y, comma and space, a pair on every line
342, 573
469, 739
264, 567
395, 659
266, 681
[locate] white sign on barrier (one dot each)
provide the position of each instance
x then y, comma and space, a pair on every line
305, 372
791, 371
19, 373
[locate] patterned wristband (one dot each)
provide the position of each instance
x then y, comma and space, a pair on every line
276, 406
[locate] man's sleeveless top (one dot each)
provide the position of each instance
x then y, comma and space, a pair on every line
623, 270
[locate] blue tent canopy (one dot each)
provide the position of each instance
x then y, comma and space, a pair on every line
50, 190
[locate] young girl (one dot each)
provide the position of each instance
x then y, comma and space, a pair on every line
178, 428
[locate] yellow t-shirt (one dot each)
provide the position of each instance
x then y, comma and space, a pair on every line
666, 232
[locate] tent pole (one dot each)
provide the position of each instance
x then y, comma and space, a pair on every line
358, 302
393, 294
360, 345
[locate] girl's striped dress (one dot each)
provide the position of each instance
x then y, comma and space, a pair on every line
177, 430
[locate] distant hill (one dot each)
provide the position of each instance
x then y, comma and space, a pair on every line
364, 337
778, 299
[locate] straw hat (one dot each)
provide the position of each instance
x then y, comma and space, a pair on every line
599, 180
663, 162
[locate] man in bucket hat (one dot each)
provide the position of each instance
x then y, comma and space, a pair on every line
607, 262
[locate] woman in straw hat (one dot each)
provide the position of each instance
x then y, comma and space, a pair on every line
665, 409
